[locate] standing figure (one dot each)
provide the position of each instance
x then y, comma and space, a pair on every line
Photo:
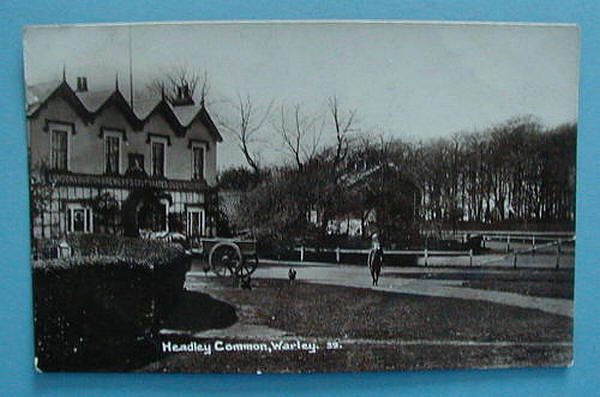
375, 259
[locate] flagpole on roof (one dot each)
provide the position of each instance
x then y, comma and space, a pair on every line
130, 71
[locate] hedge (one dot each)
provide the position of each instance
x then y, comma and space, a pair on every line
101, 309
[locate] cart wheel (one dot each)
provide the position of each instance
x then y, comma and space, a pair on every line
224, 257
248, 266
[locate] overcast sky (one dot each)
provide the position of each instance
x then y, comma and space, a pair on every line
403, 79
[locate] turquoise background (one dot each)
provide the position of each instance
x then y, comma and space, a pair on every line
16, 336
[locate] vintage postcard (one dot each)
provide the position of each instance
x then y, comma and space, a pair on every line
302, 196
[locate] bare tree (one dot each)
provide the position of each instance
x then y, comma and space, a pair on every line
182, 82
342, 122
204, 88
301, 136
245, 126
333, 196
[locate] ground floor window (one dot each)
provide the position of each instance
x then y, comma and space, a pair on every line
153, 216
79, 219
195, 222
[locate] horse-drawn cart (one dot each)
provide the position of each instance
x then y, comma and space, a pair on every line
230, 257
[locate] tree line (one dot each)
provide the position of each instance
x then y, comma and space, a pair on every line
517, 174
517, 171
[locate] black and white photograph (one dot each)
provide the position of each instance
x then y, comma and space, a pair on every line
301, 196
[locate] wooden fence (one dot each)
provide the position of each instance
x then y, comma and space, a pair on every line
422, 253
426, 254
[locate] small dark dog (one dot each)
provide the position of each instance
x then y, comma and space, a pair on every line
246, 283
291, 275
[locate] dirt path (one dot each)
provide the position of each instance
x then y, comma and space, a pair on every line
356, 276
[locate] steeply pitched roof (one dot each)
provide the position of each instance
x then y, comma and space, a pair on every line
205, 119
90, 104
116, 99
185, 114
143, 106
94, 99
164, 109
42, 95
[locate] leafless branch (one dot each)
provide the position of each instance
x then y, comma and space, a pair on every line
181, 78
245, 126
342, 127
299, 136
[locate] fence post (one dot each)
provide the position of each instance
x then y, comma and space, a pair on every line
533, 243
515, 260
508, 243
302, 253
337, 254
558, 254
426, 257
471, 257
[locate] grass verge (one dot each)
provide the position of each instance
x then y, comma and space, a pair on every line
377, 330
340, 312
547, 283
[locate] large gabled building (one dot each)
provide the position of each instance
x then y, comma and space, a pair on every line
99, 163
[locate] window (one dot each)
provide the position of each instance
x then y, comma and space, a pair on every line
158, 156
198, 151
195, 222
154, 216
60, 144
112, 152
136, 163
60, 149
79, 219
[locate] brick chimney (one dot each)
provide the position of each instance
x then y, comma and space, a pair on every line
184, 96
82, 85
